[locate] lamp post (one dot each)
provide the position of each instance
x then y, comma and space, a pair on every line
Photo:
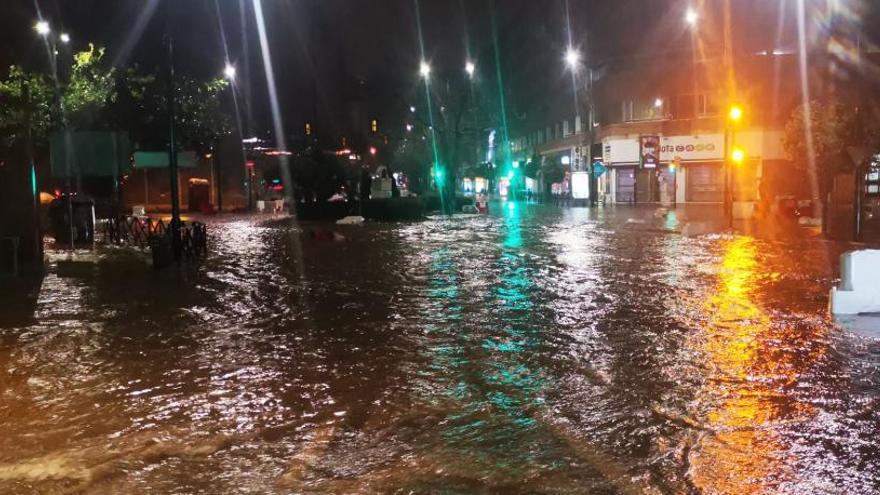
171, 99
229, 74
733, 155
44, 30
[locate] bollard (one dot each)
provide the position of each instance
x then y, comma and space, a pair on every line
859, 290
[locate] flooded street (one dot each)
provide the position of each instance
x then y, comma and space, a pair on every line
534, 350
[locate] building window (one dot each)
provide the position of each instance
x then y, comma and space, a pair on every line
644, 109
577, 124
684, 106
565, 127
707, 105
695, 105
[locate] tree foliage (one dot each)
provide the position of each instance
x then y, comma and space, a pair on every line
831, 126
317, 176
95, 95
25, 101
200, 117
90, 89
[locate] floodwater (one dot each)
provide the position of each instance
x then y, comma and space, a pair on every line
535, 350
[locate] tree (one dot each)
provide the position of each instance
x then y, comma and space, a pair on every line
412, 156
831, 128
201, 119
818, 134
25, 104
317, 176
90, 90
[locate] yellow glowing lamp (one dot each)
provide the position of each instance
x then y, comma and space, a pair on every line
738, 156
736, 113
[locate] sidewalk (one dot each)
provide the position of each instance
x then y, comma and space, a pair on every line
702, 219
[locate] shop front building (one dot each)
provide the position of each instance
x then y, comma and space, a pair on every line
690, 168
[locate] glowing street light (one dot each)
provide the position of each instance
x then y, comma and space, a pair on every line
691, 16
469, 67
424, 69
736, 113
412, 109
229, 71
572, 58
658, 102
42, 28
738, 155
64, 38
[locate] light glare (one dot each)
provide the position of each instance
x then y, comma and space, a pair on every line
42, 28
572, 58
229, 71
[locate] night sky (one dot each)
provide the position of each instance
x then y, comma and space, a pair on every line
322, 48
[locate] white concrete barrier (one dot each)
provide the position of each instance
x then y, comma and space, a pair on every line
350, 220
859, 290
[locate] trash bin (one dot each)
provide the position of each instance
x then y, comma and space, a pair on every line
83, 225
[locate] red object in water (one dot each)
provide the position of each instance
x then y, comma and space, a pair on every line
482, 204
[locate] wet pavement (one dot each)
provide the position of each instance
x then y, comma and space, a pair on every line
535, 350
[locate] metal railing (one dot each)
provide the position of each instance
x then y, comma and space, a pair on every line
132, 231
144, 232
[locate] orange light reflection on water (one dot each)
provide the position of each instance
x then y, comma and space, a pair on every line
744, 401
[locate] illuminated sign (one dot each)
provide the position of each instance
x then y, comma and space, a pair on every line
649, 151
580, 185
689, 148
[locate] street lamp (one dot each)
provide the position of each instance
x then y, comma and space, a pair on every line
229, 71
42, 28
691, 16
735, 114
424, 69
469, 67
64, 38
572, 58
412, 109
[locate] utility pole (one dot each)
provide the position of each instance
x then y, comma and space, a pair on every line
219, 170
172, 150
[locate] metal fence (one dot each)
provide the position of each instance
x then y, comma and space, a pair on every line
144, 232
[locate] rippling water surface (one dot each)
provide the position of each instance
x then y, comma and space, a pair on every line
536, 350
